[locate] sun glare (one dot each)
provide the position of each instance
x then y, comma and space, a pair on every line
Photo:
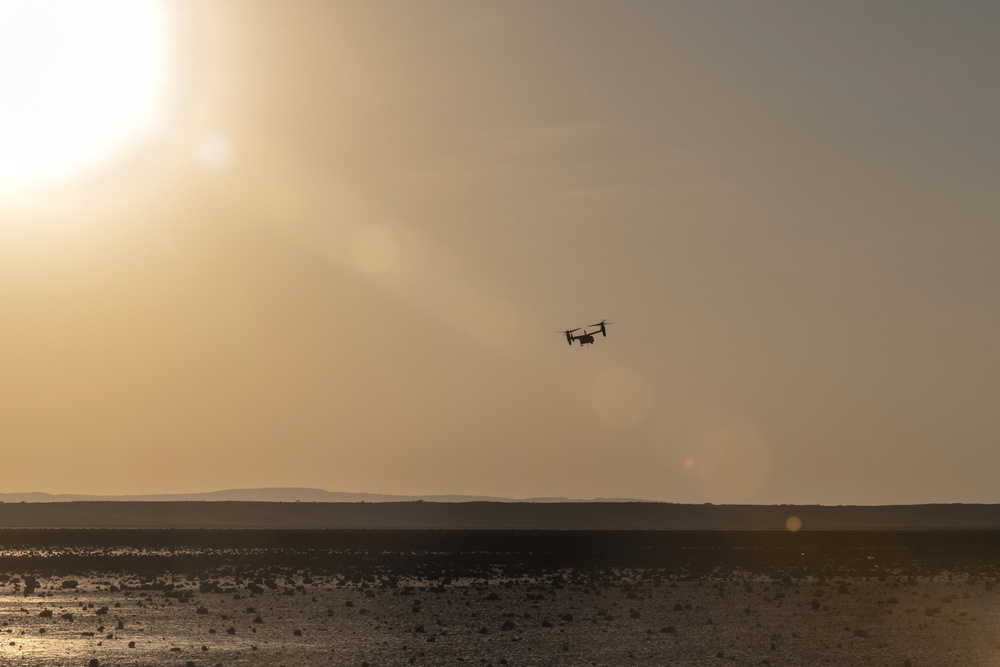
78, 80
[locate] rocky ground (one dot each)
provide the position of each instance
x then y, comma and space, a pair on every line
441, 598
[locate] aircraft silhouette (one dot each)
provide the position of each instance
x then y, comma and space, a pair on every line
586, 338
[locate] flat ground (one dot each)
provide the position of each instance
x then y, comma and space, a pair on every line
498, 598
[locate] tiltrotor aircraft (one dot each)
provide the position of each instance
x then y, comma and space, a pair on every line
586, 338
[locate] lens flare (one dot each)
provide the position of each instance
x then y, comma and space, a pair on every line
215, 152
375, 252
727, 456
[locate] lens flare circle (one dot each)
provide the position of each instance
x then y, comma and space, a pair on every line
215, 152
728, 457
78, 80
376, 253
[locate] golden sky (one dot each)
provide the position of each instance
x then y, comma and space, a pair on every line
329, 244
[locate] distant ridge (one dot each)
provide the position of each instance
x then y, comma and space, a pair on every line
283, 495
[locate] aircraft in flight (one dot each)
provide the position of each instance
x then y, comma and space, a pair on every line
586, 338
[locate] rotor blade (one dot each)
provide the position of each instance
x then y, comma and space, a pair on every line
602, 322
569, 331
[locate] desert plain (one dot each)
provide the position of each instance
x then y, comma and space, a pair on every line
374, 598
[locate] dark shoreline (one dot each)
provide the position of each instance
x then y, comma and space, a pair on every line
436, 554
493, 515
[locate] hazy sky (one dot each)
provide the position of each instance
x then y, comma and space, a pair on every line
329, 244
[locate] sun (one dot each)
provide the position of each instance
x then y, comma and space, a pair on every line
78, 80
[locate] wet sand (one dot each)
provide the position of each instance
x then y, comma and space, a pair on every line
296, 598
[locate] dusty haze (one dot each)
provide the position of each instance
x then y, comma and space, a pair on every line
341, 260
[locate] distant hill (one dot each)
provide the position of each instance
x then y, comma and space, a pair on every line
491, 515
280, 495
